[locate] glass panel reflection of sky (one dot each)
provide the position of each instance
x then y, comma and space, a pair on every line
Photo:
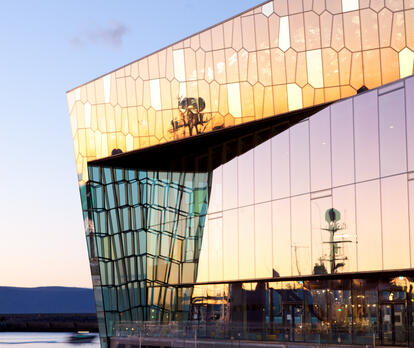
276, 196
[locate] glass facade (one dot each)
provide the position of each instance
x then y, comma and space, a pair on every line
277, 57
236, 182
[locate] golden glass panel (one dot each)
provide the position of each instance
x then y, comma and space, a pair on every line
124, 121
130, 91
162, 62
312, 30
319, 96
372, 71
195, 42
334, 6
133, 121
113, 95
134, 70
159, 125
200, 59
395, 5
237, 34
121, 89
219, 66
345, 58
318, 6
332, 93
80, 116
151, 121
295, 6
258, 91
314, 64
280, 99
204, 92
100, 110
118, 118
214, 94
90, 93
153, 66
187, 43
169, 68
110, 119
267, 9
143, 122
280, 7
121, 142
82, 142
326, 29
120, 73
278, 66
274, 30
363, 4
190, 64
146, 99
139, 90
217, 37
229, 121
352, 31
290, 61
247, 101
377, 5
307, 5
268, 108
262, 31
308, 95
357, 77
232, 66
301, 71
252, 68
385, 23
398, 32
369, 29
223, 101
330, 67
233, 93
248, 33
265, 71
94, 118
143, 69
408, 4
228, 33
409, 27
347, 91
178, 45
165, 90
296, 32
389, 65
337, 42
209, 67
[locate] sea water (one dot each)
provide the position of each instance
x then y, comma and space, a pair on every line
42, 339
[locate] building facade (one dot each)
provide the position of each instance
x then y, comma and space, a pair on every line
237, 182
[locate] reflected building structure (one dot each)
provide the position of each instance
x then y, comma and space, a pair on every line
237, 182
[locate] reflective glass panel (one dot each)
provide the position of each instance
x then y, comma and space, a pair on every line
246, 243
230, 179
280, 166
299, 158
366, 136
392, 133
395, 230
263, 240
262, 172
245, 178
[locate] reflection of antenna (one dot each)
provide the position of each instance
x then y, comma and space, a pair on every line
332, 216
295, 247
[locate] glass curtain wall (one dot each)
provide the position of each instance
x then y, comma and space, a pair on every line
144, 233
332, 194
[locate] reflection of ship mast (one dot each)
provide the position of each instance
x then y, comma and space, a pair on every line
332, 216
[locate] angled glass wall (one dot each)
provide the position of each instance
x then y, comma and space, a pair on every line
144, 233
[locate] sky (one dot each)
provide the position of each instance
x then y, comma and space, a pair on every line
47, 48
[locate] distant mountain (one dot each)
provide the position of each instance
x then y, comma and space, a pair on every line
46, 300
